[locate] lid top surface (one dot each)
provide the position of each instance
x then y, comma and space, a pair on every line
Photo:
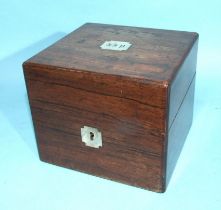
152, 54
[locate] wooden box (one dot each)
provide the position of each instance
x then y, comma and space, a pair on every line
114, 101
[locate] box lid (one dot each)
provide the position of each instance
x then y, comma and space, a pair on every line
153, 54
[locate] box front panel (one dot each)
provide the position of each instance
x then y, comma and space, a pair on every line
132, 131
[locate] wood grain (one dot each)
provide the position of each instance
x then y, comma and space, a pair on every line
179, 130
128, 96
154, 55
60, 111
181, 83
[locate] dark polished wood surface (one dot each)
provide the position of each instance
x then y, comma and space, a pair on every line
154, 55
126, 95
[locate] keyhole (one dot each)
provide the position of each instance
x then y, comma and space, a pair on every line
91, 136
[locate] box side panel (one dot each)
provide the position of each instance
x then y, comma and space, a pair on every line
132, 127
182, 82
179, 130
180, 109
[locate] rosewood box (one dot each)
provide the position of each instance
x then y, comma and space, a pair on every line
114, 101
